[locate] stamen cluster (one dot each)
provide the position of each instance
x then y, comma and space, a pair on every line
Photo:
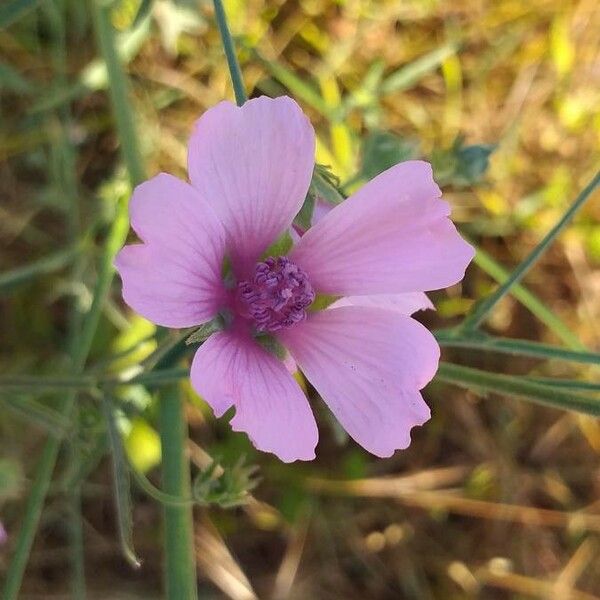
277, 295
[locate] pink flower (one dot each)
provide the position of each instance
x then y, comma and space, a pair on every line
250, 169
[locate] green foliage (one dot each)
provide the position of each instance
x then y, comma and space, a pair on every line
206, 330
461, 165
382, 150
227, 486
324, 186
11, 478
13, 10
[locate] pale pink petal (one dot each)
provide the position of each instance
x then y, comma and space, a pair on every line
392, 236
368, 365
230, 369
174, 278
406, 304
254, 165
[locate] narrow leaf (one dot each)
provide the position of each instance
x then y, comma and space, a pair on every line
45, 265
516, 347
519, 387
407, 76
122, 486
10, 13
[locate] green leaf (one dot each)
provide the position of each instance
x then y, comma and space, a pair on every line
382, 150
460, 165
226, 487
271, 345
13, 81
519, 387
206, 330
408, 75
473, 162
45, 265
122, 486
13, 11
31, 411
297, 86
484, 261
280, 247
143, 12
326, 185
11, 479
304, 217
483, 308
515, 347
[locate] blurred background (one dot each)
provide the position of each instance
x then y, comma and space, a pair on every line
503, 96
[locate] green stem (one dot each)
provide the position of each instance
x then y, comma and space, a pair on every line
485, 262
520, 387
179, 550
228, 46
45, 467
483, 308
179, 541
516, 347
119, 92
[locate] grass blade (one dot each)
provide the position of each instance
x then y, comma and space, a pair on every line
519, 387
483, 308
32, 411
516, 347
298, 87
529, 300
119, 93
406, 77
143, 11
10, 13
44, 266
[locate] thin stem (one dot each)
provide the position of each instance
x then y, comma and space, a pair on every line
520, 387
515, 347
119, 92
529, 300
179, 541
483, 308
43, 473
179, 547
228, 46
68, 182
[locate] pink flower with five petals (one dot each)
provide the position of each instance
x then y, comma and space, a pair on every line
250, 168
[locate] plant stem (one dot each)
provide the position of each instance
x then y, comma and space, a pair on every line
43, 473
179, 541
529, 300
483, 308
520, 387
228, 46
118, 88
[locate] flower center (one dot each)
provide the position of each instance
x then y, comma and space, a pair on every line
276, 296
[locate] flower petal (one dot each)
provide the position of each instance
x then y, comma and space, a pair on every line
406, 304
230, 369
254, 165
174, 278
392, 236
368, 365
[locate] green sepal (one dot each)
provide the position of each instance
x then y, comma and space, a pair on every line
322, 301
280, 247
206, 330
271, 345
323, 185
